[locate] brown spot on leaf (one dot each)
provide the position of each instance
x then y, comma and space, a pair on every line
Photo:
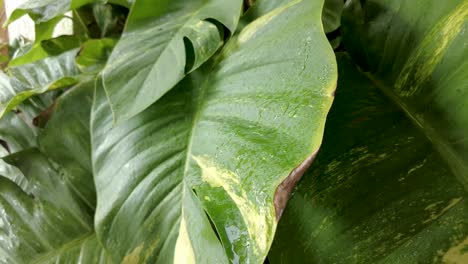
286, 187
42, 119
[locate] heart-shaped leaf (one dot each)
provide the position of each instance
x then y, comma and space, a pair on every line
217, 147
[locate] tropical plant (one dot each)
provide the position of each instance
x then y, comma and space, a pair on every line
176, 132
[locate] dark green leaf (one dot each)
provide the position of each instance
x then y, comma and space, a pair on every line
378, 192
66, 139
50, 220
331, 15
11, 172
417, 53
49, 224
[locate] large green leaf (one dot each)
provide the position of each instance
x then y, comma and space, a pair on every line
48, 224
51, 221
378, 192
219, 144
416, 51
160, 44
37, 78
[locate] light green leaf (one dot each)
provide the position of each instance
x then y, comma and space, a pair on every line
378, 192
37, 78
219, 144
94, 54
416, 51
160, 44
35, 51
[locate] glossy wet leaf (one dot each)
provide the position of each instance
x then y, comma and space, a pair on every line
11, 172
39, 227
17, 133
50, 220
37, 78
160, 44
216, 147
378, 192
66, 138
390, 184
45, 10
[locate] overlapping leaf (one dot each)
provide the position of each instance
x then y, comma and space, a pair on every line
35, 51
378, 192
38, 77
52, 220
216, 147
390, 185
48, 224
160, 44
